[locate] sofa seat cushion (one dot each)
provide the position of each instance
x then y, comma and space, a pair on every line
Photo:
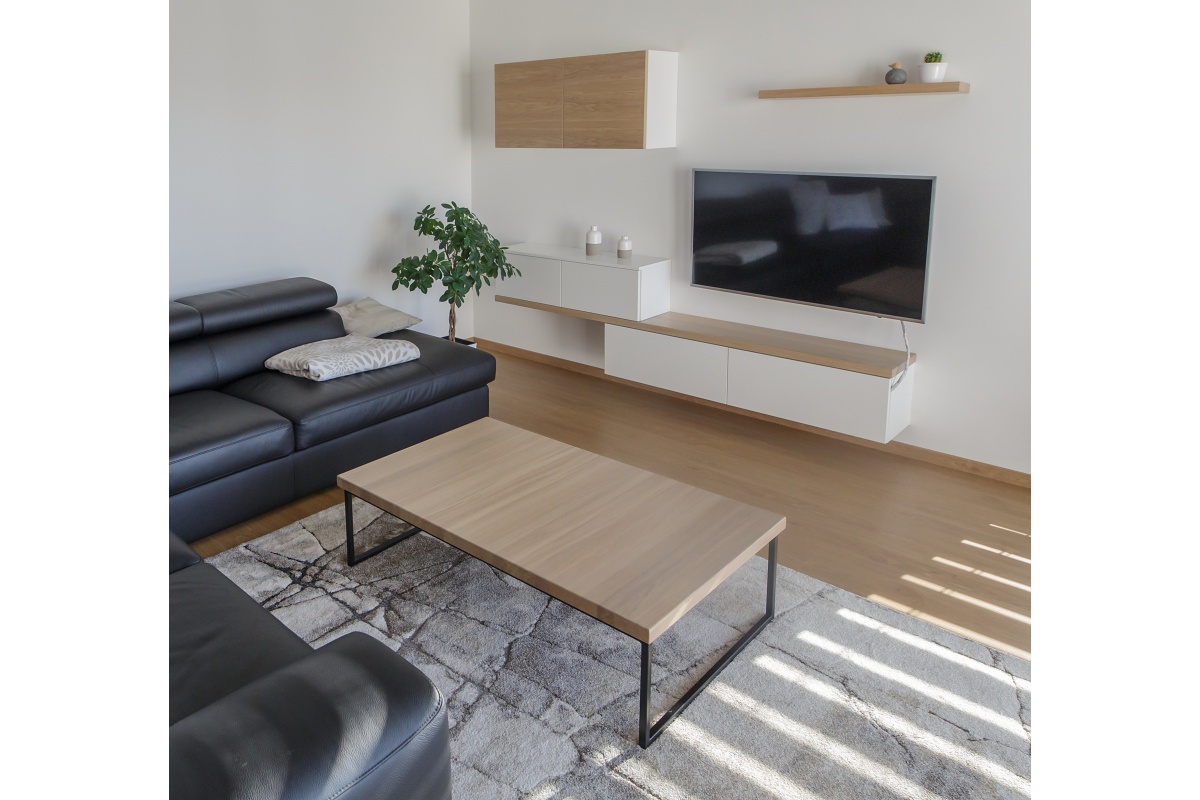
214, 435
323, 411
221, 639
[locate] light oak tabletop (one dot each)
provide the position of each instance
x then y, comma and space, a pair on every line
631, 548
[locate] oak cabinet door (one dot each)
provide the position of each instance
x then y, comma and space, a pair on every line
604, 101
529, 104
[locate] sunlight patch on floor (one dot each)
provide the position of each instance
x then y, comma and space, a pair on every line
950, 626
734, 760
934, 693
966, 598
1010, 530
897, 725
998, 551
846, 757
975, 571
926, 646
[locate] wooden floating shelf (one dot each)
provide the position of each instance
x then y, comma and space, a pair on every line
946, 87
867, 359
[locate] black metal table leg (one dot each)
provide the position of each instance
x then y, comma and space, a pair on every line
648, 733
351, 558
644, 738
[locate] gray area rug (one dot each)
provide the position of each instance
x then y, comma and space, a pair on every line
837, 698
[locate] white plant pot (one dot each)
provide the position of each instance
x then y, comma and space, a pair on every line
933, 73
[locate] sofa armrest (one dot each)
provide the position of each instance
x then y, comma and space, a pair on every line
182, 554
352, 720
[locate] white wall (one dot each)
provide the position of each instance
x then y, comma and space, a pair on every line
972, 394
305, 137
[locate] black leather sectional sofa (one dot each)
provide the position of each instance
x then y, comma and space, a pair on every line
245, 440
257, 713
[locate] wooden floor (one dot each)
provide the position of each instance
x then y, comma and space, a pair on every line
940, 544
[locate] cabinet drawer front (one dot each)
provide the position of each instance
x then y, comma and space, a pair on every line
824, 397
601, 290
538, 282
680, 365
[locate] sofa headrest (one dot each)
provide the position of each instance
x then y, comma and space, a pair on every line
230, 309
206, 362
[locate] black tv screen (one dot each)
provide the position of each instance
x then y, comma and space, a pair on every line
853, 242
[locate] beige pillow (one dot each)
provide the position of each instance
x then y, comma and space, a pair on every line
336, 358
370, 318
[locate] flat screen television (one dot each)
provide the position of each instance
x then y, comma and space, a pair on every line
853, 242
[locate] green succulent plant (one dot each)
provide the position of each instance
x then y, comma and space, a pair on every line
467, 257
933, 58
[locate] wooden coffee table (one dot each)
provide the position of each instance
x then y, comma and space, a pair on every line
631, 548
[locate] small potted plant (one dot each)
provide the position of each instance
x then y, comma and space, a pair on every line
934, 69
466, 257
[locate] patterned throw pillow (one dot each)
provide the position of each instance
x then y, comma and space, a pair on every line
369, 317
336, 358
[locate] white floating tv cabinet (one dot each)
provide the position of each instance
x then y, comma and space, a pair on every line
823, 383
633, 288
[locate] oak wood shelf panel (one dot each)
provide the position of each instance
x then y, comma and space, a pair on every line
946, 87
866, 359
529, 104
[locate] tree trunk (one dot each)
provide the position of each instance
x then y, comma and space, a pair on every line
453, 320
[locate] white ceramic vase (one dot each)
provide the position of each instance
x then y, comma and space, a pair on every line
592, 242
933, 73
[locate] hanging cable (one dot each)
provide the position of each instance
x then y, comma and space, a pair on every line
900, 377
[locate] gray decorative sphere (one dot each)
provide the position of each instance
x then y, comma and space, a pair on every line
895, 74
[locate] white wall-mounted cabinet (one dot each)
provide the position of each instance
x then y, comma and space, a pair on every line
633, 288
842, 400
